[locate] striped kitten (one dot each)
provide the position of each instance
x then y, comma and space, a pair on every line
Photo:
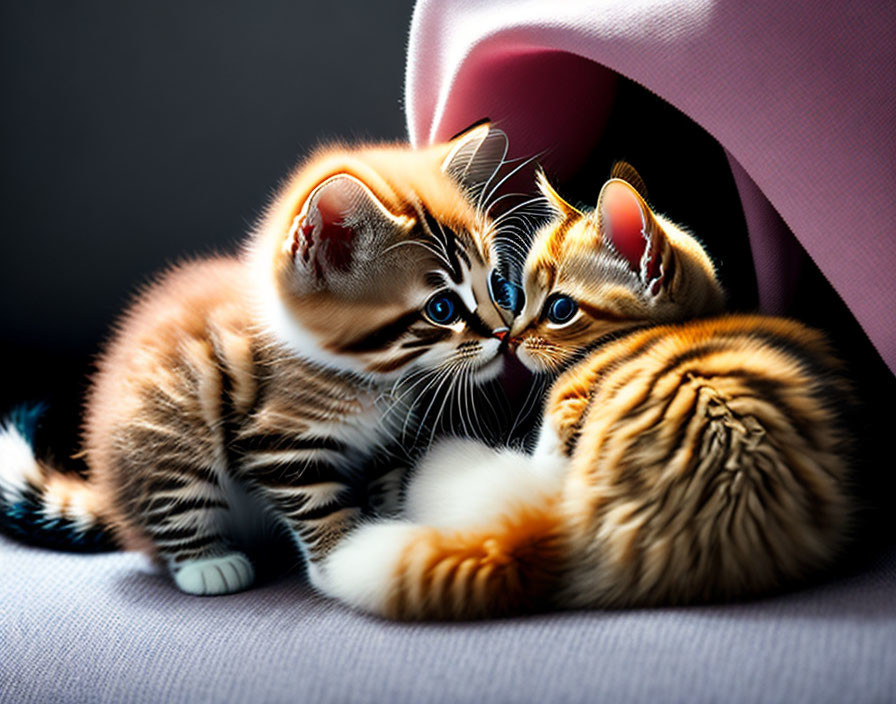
278, 376
680, 459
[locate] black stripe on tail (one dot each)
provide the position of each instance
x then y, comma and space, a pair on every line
22, 499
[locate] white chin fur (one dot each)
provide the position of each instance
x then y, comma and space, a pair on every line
527, 359
362, 571
490, 370
465, 484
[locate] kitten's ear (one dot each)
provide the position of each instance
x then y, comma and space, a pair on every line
337, 226
557, 204
628, 224
628, 173
475, 155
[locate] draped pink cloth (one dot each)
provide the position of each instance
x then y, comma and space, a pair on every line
800, 94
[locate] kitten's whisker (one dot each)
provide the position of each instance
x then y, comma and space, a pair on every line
474, 389
519, 213
442, 377
535, 392
523, 164
536, 205
418, 243
487, 397
503, 196
422, 373
430, 382
464, 390
439, 413
501, 162
514, 246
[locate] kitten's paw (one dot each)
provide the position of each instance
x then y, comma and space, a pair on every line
363, 571
210, 576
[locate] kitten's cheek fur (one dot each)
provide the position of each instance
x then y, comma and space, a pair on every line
363, 571
530, 361
490, 370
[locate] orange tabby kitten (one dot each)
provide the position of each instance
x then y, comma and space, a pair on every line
680, 459
272, 379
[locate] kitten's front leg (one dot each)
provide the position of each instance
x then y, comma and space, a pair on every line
313, 499
184, 514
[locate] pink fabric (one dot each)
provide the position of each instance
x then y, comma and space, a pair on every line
800, 94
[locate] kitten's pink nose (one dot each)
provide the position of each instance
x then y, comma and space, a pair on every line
501, 334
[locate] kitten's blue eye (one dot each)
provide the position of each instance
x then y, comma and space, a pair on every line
505, 294
561, 309
442, 309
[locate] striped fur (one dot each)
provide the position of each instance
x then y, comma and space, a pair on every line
286, 373
702, 458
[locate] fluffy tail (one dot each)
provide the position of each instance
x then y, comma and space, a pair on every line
39, 504
405, 571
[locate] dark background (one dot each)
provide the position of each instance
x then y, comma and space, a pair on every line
135, 133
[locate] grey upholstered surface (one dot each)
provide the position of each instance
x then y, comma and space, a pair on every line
110, 629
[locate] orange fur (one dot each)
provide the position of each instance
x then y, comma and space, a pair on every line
509, 568
690, 457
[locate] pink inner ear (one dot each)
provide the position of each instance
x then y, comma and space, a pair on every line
335, 240
623, 223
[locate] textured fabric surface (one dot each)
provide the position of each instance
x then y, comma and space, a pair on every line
802, 95
110, 628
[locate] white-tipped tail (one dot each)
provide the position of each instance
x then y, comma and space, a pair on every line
41, 505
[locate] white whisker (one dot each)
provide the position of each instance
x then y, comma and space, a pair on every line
523, 164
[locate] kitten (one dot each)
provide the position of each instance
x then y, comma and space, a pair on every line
279, 374
681, 458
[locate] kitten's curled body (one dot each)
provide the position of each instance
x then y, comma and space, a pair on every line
683, 457
706, 462
283, 373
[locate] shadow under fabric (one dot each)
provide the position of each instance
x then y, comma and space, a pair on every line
796, 100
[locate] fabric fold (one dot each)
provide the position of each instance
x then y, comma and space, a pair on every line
800, 95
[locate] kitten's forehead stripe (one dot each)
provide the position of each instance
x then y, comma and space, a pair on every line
446, 241
476, 324
463, 254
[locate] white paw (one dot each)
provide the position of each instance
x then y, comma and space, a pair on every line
363, 570
209, 576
